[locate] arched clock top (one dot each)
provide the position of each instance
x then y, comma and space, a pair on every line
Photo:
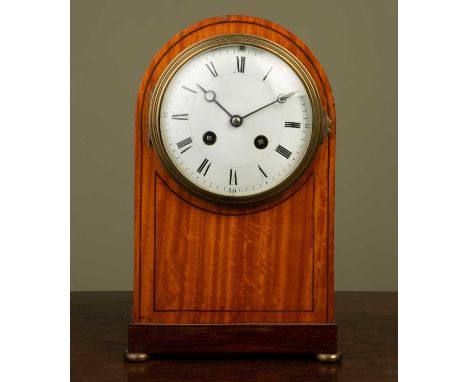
259, 153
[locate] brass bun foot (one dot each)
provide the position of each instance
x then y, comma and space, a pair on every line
136, 357
328, 357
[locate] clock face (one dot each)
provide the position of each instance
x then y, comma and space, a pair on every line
236, 121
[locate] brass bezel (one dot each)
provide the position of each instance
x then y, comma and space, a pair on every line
159, 89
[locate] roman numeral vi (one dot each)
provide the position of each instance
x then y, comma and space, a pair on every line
232, 177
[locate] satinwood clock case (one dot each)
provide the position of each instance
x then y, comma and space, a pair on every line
210, 277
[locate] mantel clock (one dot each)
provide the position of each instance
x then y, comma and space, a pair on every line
234, 195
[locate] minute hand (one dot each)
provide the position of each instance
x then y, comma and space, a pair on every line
280, 99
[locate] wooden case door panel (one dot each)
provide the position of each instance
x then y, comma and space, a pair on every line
206, 261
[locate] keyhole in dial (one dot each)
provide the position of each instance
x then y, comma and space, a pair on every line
209, 138
261, 142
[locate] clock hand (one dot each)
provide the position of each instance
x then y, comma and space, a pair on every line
210, 96
280, 99
283, 98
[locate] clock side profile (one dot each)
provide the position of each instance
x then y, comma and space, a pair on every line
234, 196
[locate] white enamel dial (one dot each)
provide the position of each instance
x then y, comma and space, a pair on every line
236, 120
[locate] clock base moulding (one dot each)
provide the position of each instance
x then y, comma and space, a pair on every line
319, 339
215, 278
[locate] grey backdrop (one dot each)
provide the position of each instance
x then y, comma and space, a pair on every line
112, 43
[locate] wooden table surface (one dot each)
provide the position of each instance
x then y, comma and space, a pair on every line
367, 332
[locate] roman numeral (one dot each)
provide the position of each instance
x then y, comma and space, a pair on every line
294, 125
190, 90
266, 75
284, 152
204, 164
263, 172
240, 64
232, 177
212, 69
184, 143
182, 117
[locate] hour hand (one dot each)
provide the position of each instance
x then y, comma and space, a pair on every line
210, 96
201, 88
